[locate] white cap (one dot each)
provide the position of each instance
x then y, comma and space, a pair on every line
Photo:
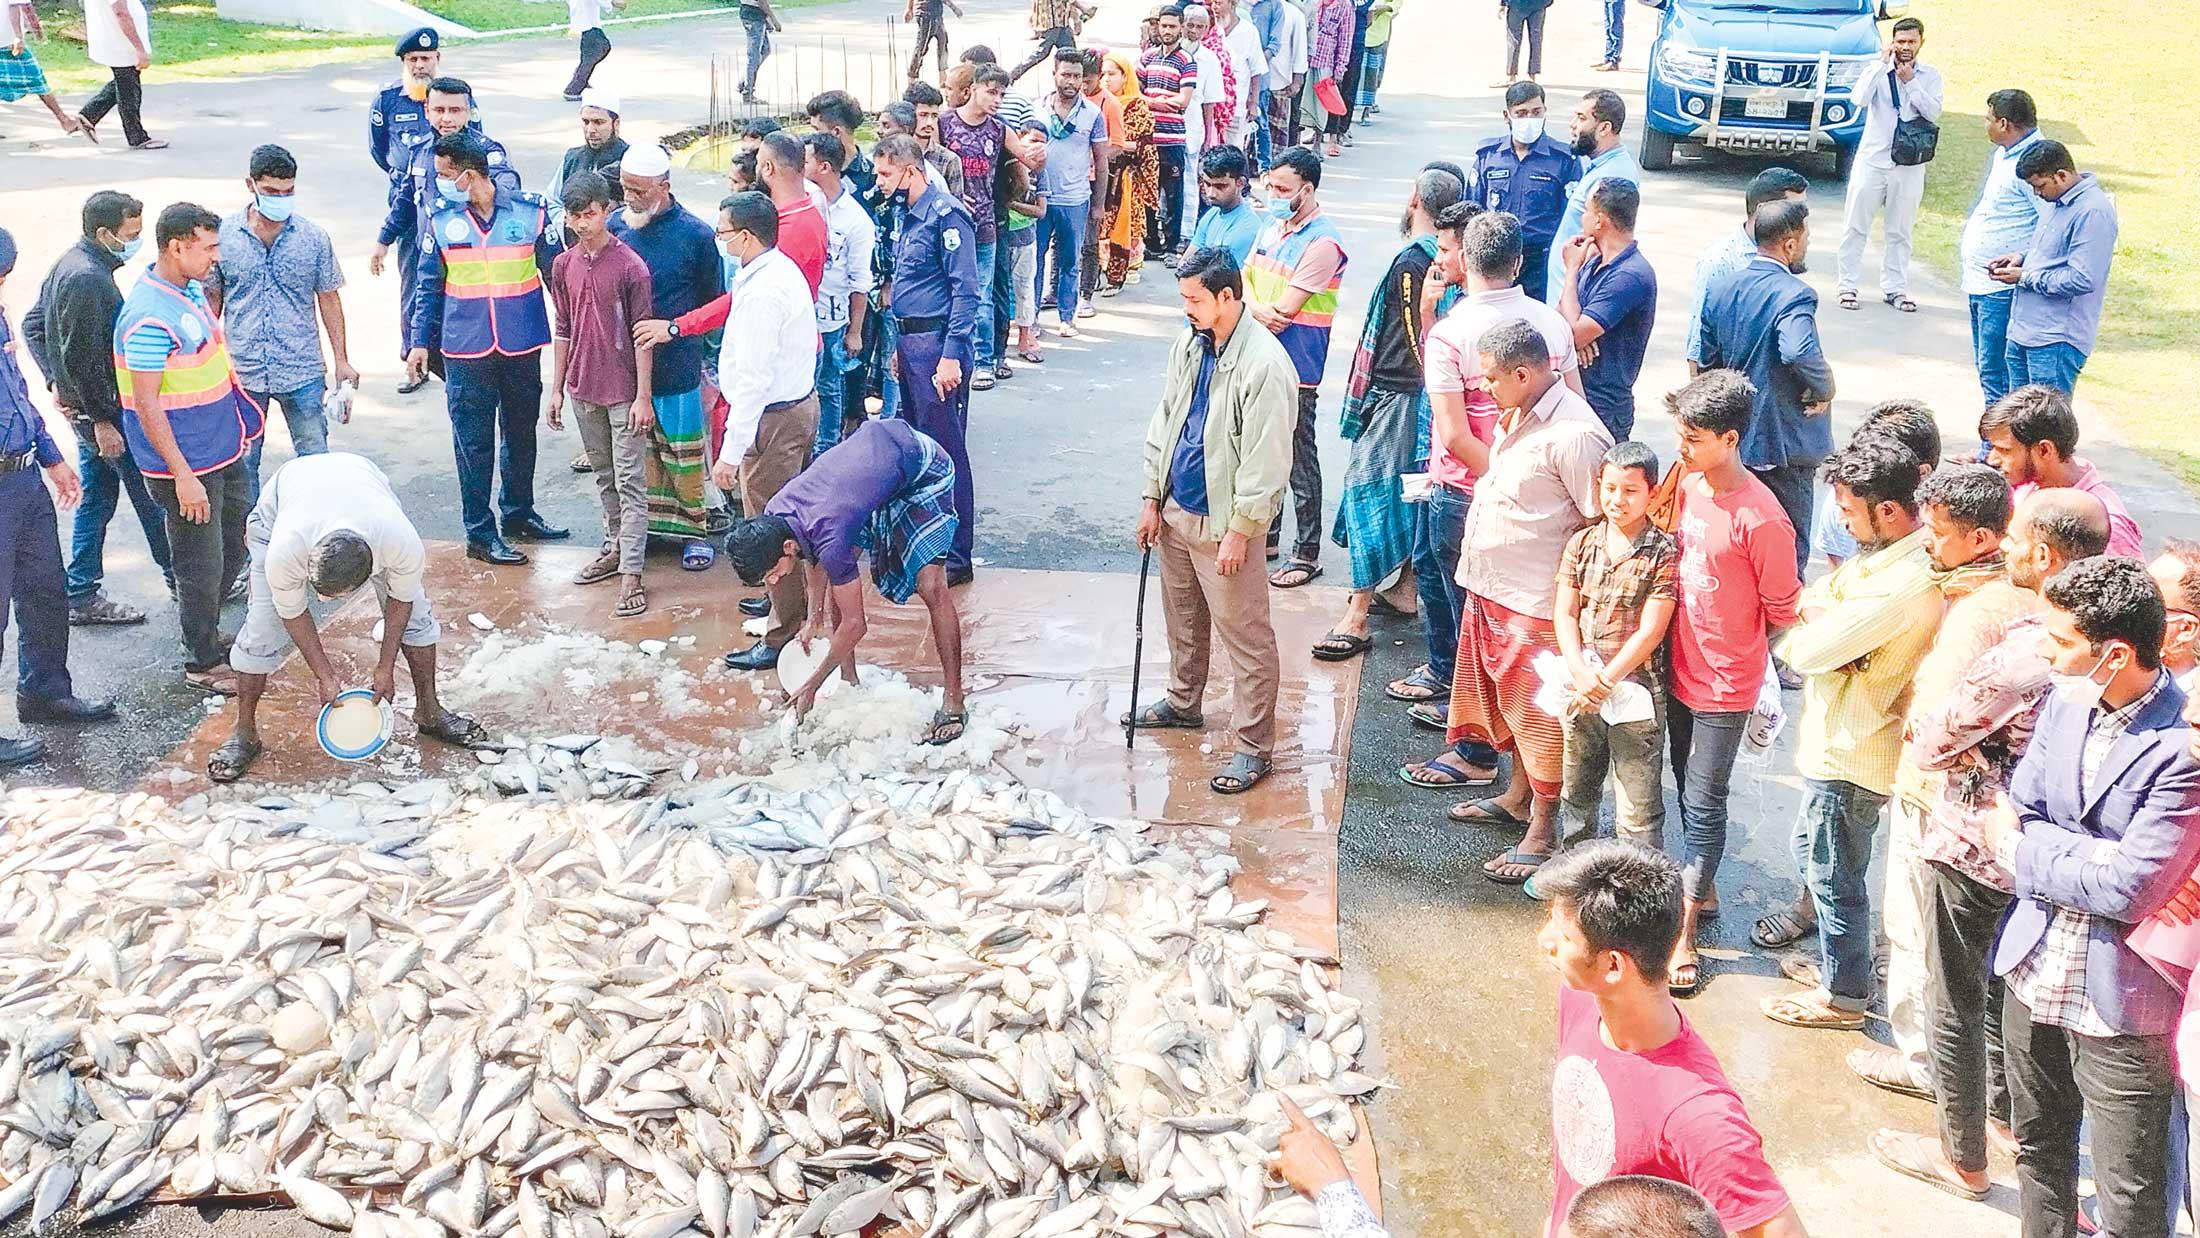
646, 159
601, 100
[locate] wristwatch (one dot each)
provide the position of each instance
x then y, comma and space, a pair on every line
673, 329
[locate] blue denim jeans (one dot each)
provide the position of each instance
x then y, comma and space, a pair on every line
760, 46
986, 345
832, 388
1833, 848
889, 379
1264, 144
303, 412
1615, 28
1439, 525
493, 403
1062, 229
1990, 342
2051, 365
1703, 746
105, 482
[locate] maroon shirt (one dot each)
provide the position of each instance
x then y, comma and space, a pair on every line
598, 299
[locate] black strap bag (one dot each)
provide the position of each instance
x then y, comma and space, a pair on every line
1915, 140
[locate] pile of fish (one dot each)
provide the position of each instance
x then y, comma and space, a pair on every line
576, 994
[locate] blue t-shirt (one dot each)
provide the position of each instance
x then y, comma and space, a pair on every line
1188, 465
1622, 297
1235, 230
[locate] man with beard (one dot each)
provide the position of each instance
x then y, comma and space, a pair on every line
399, 119
1901, 88
601, 146
1599, 121
2031, 435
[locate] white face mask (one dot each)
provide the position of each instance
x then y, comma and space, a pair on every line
1527, 130
2080, 691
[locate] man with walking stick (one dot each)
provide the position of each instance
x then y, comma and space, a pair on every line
1218, 464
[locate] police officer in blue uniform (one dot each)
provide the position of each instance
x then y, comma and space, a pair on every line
32, 578
935, 308
412, 199
399, 120
1525, 173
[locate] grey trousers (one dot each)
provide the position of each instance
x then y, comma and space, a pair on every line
1634, 756
620, 459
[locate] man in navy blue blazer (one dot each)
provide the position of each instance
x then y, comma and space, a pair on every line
2106, 826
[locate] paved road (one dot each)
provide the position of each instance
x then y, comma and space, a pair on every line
1461, 1003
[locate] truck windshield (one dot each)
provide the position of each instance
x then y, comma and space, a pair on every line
1797, 6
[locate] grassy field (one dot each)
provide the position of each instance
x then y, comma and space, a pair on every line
492, 15
2101, 73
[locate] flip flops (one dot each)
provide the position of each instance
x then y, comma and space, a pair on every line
1417, 687
1294, 574
1338, 647
1515, 858
946, 728
1800, 1010
698, 555
1485, 812
630, 604
456, 729
601, 568
229, 762
1778, 930
1440, 774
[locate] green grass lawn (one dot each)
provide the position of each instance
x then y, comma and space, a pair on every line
2101, 73
491, 15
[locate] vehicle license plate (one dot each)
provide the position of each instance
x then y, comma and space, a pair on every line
1766, 105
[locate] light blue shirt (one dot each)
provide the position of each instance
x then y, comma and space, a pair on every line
1073, 144
1236, 230
1724, 256
2066, 271
2002, 220
1619, 162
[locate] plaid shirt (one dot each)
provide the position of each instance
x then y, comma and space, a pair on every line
1614, 593
2051, 982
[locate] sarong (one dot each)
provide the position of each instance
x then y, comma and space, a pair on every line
1493, 687
915, 528
20, 76
1371, 74
677, 462
1373, 524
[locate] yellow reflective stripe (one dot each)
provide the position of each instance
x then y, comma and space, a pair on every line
485, 292
462, 270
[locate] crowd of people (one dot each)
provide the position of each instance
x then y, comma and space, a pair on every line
1989, 666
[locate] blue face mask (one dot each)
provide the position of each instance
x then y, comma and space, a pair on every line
1281, 208
447, 187
273, 208
130, 247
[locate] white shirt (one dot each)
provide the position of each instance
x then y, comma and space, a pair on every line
336, 492
1920, 101
583, 15
769, 354
850, 238
1208, 91
1290, 58
1243, 40
104, 39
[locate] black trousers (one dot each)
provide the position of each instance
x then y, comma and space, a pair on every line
1963, 1000
595, 45
1165, 222
2122, 1087
206, 557
1791, 484
1050, 41
1519, 28
1306, 486
31, 578
931, 32
126, 91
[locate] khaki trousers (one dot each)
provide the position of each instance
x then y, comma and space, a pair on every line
1196, 597
782, 450
621, 464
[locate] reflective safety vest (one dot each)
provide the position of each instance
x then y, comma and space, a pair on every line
492, 286
1268, 277
209, 414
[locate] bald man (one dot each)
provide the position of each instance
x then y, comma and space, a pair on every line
1967, 740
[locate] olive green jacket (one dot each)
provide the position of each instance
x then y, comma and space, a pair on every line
1252, 405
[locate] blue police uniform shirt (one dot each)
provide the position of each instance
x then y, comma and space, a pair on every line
936, 268
1531, 187
413, 195
21, 428
1188, 464
397, 124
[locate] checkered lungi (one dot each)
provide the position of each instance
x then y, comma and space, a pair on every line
915, 528
20, 76
1493, 686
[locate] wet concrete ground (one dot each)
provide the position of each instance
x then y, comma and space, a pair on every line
1459, 999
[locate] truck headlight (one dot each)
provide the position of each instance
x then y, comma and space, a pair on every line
1687, 64
1846, 73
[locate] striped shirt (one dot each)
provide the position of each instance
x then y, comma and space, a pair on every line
147, 349
1161, 75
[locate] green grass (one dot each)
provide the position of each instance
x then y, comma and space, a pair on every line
2100, 73
492, 15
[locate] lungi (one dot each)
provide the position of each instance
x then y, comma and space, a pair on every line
1493, 685
677, 463
1373, 524
915, 528
20, 76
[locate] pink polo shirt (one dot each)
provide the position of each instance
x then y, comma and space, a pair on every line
2123, 531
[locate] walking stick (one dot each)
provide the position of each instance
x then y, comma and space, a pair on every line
1138, 651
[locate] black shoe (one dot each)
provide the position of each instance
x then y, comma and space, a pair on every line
21, 751
958, 576
534, 529
757, 657
497, 552
63, 709
756, 608
411, 385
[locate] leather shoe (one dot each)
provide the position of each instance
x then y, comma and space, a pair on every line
63, 709
535, 529
21, 751
496, 552
756, 608
757, 657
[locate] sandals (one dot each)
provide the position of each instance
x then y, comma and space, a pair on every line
1417, 687
1440, 774
946, 728
1434, 713
1032, 355
1779, 929
1242, 774
1908, 1155
1338, 647
982, 381
229, 762
1163, 716
1002, 372
149, 144
698, 555
1682, 979
456, 729
216, 680
1901, 301
1848, 299
1486, 812
1383, 605
1516, 858
630, 604
1295, 573
582, 464
601, 568
1799, 1010
1883, 1067
104, 612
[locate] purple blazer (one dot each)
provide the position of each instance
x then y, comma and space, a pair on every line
2118, 855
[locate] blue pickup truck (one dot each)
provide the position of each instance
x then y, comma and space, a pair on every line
1764, 76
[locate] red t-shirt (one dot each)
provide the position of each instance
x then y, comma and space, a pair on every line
802, 238
1737, 577
1669, 1113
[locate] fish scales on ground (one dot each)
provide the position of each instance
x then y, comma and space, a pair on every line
582, 990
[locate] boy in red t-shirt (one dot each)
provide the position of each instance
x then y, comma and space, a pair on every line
1636, 1090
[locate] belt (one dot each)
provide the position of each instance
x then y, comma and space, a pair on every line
921, 324
19, 461
784, 405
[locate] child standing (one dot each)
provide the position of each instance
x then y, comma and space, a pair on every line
1617, 587
1026, 207
601, 289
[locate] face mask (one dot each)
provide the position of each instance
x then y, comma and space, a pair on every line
1527, 130
129, 248
272, 208
2079, 691
1282, 207
449, 189
733, 260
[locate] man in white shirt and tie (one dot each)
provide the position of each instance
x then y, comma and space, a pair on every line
1901, 88
767, 371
